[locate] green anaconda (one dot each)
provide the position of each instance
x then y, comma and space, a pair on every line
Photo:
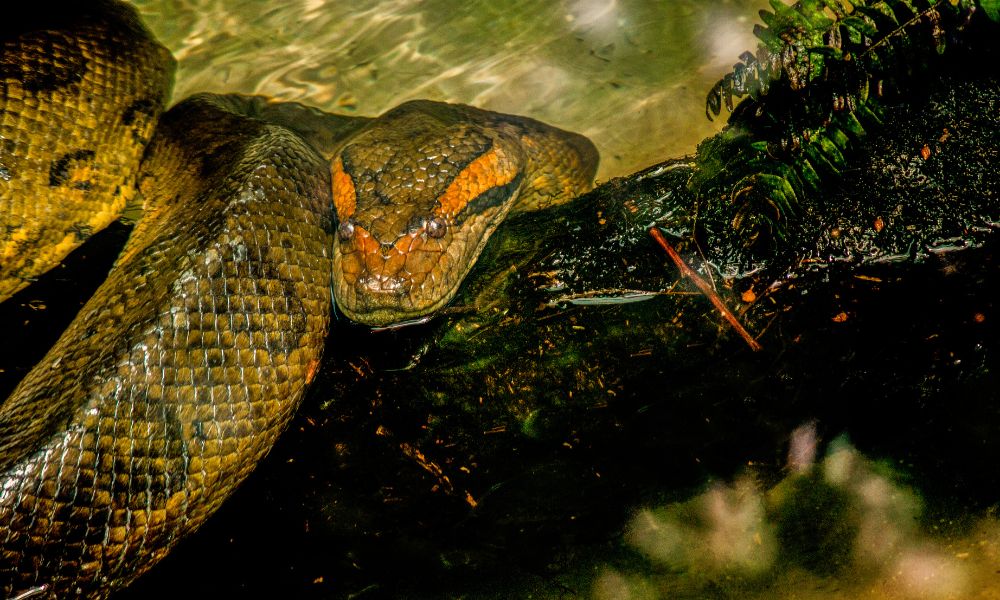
177, 376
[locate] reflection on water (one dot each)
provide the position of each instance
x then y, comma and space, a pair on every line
843, 528
631, 74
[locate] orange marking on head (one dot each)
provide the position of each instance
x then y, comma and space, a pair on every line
364, 241
490, 170
371, 259
345, 198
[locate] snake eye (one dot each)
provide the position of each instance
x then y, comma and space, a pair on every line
436, 227
346, 229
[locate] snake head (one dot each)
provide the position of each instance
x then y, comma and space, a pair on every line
417, 193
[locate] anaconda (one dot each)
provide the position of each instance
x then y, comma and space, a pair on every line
179, 373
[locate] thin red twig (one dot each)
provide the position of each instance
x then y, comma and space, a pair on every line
704, 287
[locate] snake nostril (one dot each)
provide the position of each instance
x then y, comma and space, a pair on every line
346, 229
436, 227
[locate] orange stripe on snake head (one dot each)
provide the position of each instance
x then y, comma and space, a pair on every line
345, 198
492, 169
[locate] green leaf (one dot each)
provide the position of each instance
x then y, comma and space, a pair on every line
827, 52
860, 25
791, 176
883, 17
771, 20
812, 10
822, 163
831, 151
789, 15
864, 91
838, 137
808, 173
991, 8
836, 7
768, 38
781, 193
848, 122
870, 113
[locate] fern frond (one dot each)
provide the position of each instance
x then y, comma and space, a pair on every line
809, 95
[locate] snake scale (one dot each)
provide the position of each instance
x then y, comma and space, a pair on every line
180, 372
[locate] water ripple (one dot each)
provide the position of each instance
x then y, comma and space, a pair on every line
631, 74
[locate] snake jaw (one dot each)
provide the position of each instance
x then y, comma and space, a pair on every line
380, 283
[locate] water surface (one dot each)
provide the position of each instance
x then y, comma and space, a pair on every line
630, 74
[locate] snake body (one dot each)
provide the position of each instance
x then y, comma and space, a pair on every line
178, 375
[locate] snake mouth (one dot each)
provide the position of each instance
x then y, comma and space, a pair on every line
380, 301
389, 309
381, 284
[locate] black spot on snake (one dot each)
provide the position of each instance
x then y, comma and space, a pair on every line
62, 168
7, 156
137, 116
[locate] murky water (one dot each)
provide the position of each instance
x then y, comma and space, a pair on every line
630, 74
